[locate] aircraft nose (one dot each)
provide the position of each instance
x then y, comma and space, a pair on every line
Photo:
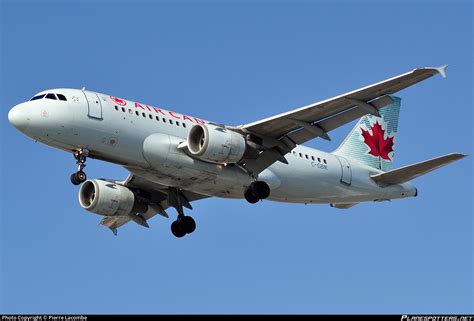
19, 117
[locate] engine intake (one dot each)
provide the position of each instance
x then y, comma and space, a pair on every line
109, 199
216, 144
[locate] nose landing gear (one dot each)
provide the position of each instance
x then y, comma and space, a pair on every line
79, 176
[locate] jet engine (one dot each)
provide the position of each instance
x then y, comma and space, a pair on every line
215, 144
109, 199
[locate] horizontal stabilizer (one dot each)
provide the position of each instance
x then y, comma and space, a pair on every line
407, 173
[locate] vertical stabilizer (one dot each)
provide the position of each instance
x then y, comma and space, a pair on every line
373, 139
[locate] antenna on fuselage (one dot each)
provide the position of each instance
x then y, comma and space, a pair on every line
83, 88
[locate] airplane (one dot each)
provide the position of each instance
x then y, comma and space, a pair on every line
174, 159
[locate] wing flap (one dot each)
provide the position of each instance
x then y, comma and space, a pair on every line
407, 173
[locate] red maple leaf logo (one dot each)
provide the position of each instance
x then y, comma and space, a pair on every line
119, 101
379, 146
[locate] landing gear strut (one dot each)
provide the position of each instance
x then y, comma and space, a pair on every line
79, 176
184, 224
258, 190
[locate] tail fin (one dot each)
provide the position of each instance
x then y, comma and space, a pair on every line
373, 139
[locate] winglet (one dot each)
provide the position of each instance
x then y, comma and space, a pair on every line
441, 70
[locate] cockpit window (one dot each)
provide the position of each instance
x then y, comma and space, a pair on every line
61, 97
51, 96
37, 97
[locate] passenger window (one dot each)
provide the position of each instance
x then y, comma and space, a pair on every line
144, 115
51, 96
164, 120
184, 125
37, 97
123, 109
319, 160
157, 118
116, 108
62, 97
325, 161
129, 111
307, 156
151, 117
137, 113
312, 157
301, 155
294, 153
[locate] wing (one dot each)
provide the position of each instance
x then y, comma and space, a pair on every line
281, 133
157, 197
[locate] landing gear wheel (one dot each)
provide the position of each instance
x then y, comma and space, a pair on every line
252, 199
260, 189
177, 229
78, 178
188, 224
74, 179
257, 191
81, 176
183, 224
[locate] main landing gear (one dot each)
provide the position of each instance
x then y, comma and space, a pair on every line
258, 190
184, 224
79, 176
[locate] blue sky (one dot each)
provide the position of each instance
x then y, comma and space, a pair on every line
233, 63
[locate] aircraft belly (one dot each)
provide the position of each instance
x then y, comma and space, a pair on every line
303, 183
198, 181
171, 166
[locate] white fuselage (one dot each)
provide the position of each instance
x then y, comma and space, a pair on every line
117, 130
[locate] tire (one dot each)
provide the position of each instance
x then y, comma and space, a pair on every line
261, 190
81, 176
177, 229
250, 197
188, 224
74, 179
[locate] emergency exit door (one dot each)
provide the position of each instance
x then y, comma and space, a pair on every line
346, 171
95, 106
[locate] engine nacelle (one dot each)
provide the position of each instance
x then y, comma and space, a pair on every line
216, 144
109, 199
